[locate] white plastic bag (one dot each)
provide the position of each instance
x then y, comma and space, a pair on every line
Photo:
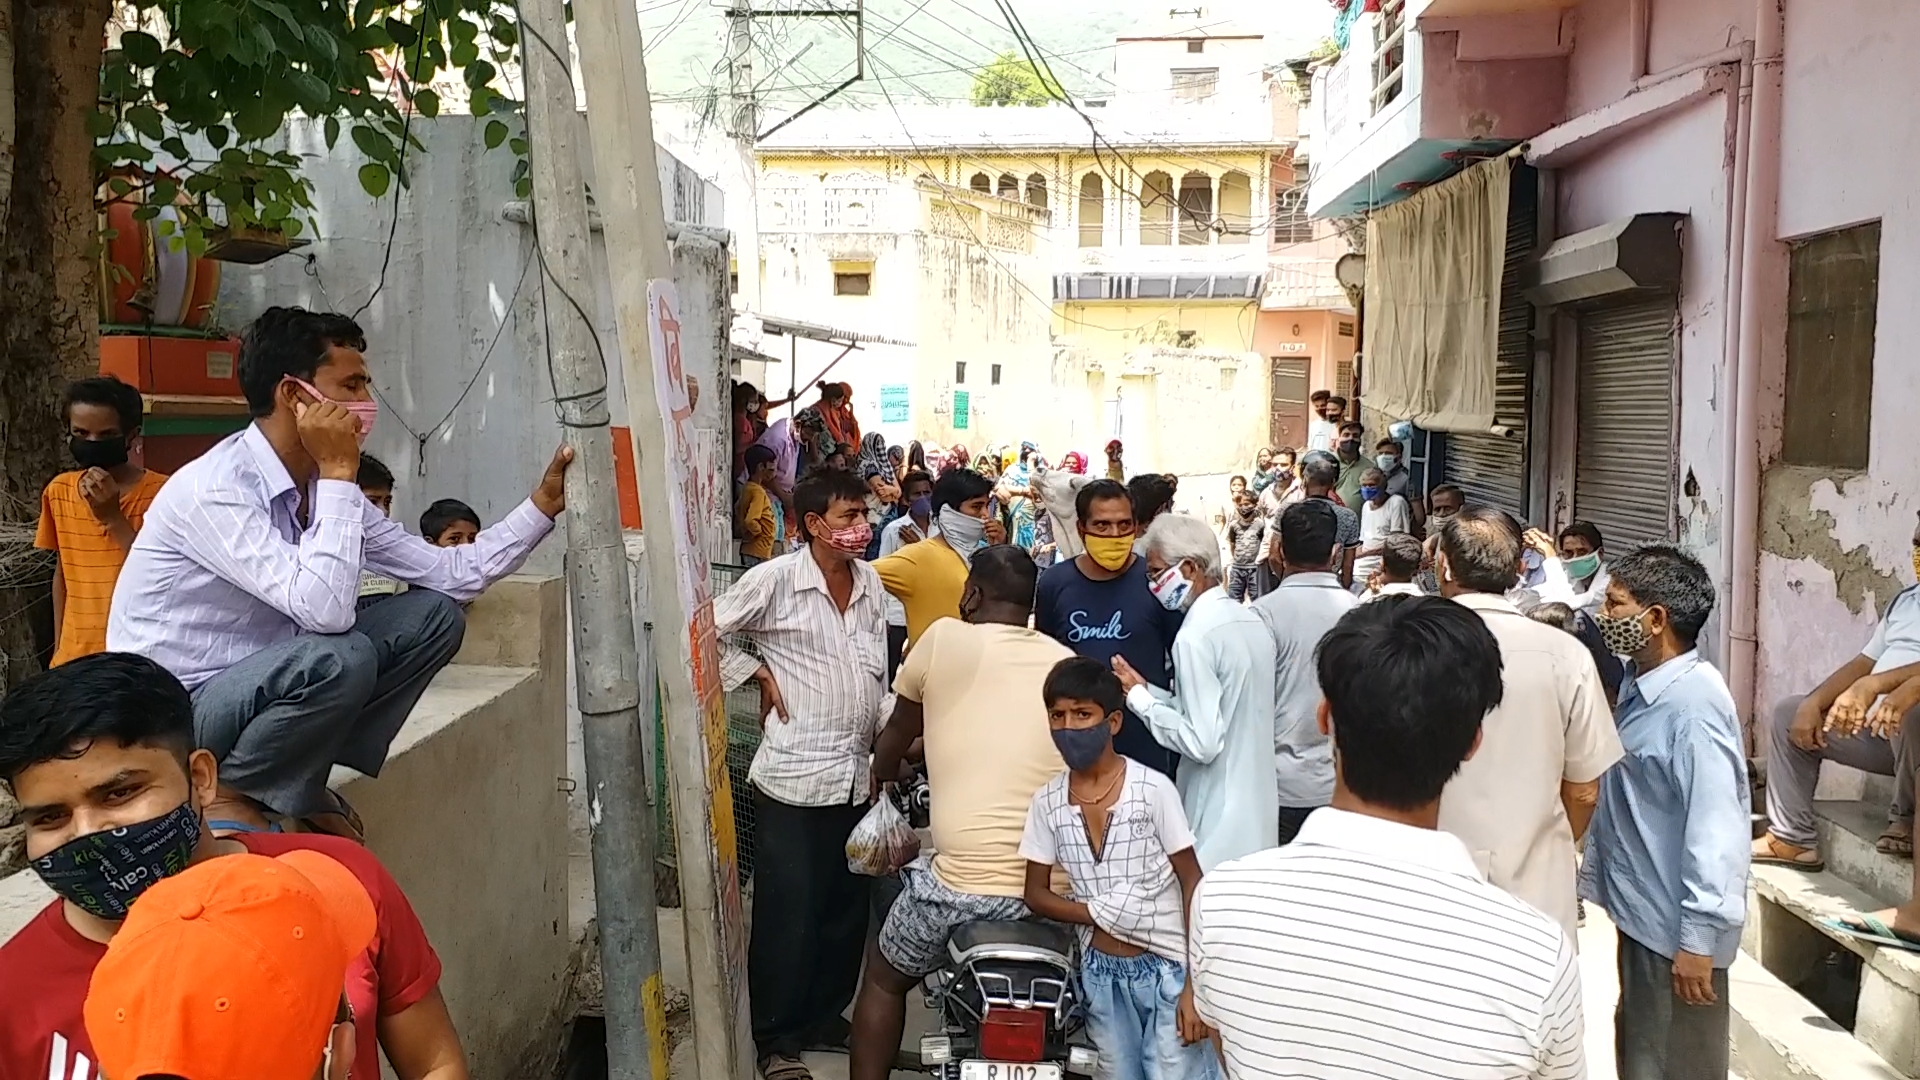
883, 842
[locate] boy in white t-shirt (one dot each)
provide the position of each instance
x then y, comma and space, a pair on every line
1116, 827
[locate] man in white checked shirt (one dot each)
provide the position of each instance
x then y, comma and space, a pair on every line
245, 581
1372, 946
818, 619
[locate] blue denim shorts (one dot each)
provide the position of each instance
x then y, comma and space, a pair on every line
1132, 1009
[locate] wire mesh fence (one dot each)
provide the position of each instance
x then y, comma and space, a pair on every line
743, 739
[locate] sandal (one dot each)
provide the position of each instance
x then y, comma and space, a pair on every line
784, 1067
1770, 850
1897, 841
1872, 928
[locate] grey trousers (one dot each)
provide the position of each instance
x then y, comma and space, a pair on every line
279, 720
1656, 1036
1792, 773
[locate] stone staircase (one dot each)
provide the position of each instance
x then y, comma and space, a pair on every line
1809, 1002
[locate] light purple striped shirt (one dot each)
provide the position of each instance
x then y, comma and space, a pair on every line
221, 568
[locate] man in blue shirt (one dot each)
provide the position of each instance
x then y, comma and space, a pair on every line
1668, 849
1098, 604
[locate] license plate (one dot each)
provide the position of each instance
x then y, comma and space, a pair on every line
1009, 1070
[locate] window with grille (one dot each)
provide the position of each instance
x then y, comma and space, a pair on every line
993, 375
1291, 225
1195, 84
1196, 45
1389, 53
852, 278
959, 371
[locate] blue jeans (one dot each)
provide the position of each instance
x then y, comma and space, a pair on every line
1132, 1003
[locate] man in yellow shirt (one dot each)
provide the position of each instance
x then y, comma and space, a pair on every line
88, 517
929, 576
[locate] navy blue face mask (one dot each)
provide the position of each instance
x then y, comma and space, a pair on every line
1081, 747
103, 873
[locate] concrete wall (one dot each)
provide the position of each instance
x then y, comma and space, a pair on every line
470, 819
1835, 545
1143, 68
458, 279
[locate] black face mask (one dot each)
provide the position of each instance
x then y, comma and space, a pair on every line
98, 453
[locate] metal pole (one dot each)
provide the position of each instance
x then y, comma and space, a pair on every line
627, 192
605, 665
744, 126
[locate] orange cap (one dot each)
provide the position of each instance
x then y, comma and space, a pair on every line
230, 970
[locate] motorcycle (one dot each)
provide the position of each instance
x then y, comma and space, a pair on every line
1007, 999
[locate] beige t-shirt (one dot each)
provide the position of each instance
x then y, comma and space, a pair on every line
1552, 724
988, 746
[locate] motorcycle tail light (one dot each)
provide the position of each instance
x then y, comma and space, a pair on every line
1013, 1035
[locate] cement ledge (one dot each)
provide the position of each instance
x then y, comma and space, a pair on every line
1779, 1035
1813, 897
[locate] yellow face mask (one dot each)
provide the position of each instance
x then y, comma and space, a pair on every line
1111, 552
1916, 561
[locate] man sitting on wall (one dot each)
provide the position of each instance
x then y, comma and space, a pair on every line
244, 582
1840, 721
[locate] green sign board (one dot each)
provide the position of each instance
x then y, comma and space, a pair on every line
959, 410
893, 403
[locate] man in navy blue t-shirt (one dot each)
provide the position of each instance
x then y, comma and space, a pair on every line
1098, 604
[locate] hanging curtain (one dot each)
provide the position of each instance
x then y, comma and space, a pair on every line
1434, 263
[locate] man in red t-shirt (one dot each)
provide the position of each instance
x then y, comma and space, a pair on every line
99, 753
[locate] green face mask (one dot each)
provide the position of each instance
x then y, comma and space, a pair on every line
1585, 566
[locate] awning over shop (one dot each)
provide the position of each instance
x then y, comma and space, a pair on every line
1434, 265
1635, 255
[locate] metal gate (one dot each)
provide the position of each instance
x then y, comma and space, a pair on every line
1492, 468
1287, 402
1623, 473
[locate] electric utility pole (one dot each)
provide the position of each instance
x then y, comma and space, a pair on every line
743, 125
605, 661
672, 490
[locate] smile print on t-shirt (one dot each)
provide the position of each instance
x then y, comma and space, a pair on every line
1081, 627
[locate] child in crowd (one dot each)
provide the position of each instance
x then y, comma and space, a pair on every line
449, 523
376, 485
88, 517
1132, 882
1247, 541
753, 512
1235, 487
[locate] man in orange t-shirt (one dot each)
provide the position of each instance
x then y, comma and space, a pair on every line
88, 517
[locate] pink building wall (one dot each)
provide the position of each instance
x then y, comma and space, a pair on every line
1834, 547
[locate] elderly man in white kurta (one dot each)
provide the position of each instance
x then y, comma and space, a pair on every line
1219, 716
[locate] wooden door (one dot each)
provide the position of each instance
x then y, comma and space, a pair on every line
1287, 395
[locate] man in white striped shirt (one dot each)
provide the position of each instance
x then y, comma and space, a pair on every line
1372, 946
818, 619
245, 582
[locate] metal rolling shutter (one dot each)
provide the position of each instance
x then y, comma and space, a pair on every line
1492, 469
1623, 476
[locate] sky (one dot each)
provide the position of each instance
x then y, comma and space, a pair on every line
925, 50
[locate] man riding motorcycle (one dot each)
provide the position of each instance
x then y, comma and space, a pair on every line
972, 689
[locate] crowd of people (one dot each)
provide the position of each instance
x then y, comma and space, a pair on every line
1317, 778
1312, 785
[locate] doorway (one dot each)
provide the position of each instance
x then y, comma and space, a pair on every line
1287, 402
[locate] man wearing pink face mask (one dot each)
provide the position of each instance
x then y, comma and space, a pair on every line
244, 583
818, 617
